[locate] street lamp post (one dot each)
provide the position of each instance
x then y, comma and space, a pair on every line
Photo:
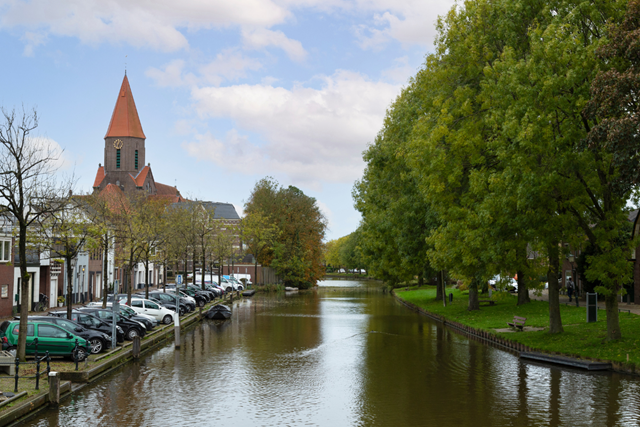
83, 291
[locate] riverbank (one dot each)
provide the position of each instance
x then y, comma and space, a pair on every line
94, 368
579, 340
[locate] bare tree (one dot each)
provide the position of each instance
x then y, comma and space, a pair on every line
27, 188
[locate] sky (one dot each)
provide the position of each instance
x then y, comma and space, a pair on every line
228, 92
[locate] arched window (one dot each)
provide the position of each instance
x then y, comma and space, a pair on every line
136, 159
118, 159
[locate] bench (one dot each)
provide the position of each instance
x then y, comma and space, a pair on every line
518, 322
487, 301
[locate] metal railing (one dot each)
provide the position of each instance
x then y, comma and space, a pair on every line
37, 360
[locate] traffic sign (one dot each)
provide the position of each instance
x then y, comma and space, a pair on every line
179, 279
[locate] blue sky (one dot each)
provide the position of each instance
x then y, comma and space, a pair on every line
228, 92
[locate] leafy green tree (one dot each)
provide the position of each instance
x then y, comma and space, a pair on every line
28, 192
297, 253
259, 235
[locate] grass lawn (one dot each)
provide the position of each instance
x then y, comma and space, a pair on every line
580, 339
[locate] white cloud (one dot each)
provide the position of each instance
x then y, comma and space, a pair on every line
400, 71
138, 22
229, 65
50, 147
411, 22
312, 135
259, 38
171, 75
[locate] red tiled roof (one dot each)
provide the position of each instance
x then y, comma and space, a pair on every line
125, 120
142, 175
99, 177
166, 190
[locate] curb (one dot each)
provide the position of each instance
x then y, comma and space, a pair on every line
503, 343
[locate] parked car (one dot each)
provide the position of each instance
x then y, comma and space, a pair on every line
199, 299
190, 301
231, 284
207, 293
147, 321
90, 321
52, 338
159, 312
131, 328
97, 340
169, 300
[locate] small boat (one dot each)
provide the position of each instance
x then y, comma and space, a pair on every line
249, 293
288, 289
219, 312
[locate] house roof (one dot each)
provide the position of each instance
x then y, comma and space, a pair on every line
222, 210
142, 175
169, 193
99, 177
125, 120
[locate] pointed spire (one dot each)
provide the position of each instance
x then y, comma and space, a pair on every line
125, 120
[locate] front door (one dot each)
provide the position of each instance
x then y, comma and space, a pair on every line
53, 292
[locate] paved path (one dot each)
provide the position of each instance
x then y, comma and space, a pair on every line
633, 308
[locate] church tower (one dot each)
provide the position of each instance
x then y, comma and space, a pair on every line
124, 153
124, 150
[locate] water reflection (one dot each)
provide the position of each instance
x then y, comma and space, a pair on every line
342, 357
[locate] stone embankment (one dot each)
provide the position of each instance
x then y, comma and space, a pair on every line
72, 381
513, 346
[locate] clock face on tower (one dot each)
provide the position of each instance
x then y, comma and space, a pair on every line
117, 144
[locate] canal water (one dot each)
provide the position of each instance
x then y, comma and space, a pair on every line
343, 355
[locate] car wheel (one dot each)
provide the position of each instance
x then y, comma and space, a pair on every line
167, 319
132, 333
240, 288
13, 351
229, 289
80, 354
96, 345
201, 303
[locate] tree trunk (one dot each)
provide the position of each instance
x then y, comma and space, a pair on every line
204, 264
105, 273
164, 276
67, 262
613, 321
127, 272
420, 279
146, 278
474, 304
440, 286
555, 321
24, 294
193, 267
523, 291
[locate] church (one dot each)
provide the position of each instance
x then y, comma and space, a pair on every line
125, 153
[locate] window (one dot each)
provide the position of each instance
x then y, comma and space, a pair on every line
66, 324
117, 159
51, 331
136, 159
16, 330
136, 303
151, 305
5, 250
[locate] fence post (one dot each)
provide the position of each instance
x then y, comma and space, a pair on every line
37, 373
75, 354
17, 366
48, 365
136, 347
54, 388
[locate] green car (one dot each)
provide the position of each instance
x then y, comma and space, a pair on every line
51, 338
